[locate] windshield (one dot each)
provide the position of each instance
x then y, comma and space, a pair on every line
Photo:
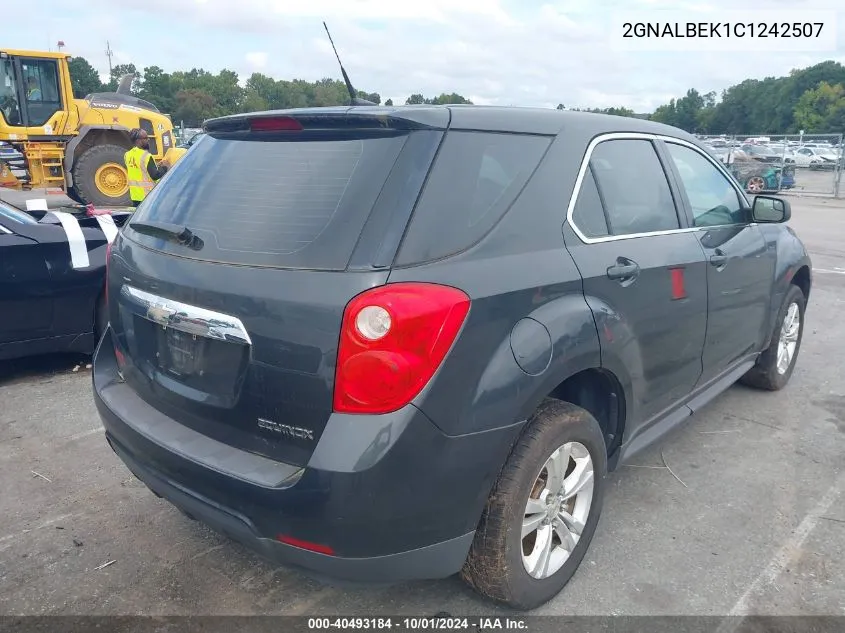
13, 213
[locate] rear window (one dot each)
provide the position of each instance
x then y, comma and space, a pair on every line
475, 179
289, 204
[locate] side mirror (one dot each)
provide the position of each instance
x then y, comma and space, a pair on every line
770, 209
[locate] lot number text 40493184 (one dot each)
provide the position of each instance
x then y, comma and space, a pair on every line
422, 623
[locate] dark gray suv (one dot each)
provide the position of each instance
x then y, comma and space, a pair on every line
397, 343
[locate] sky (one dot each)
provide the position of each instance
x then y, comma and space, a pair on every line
499, 52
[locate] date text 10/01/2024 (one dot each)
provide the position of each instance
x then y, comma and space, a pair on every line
683, 30
418, 624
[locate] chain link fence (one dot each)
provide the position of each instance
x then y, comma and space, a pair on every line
804, 164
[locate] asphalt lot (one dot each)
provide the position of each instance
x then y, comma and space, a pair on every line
757, 526
812, 181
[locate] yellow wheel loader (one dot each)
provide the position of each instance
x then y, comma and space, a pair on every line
76, 145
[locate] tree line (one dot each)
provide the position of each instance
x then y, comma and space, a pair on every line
810, 99
195, 95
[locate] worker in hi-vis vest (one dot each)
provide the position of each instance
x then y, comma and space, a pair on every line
141, 167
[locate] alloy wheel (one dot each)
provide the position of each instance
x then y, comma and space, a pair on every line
557, 509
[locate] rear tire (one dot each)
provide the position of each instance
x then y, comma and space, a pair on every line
498, 563
772, 371
103, 164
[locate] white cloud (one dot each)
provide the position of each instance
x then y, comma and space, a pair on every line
493, 51
257, 60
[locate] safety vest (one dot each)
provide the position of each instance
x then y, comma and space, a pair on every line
140, 183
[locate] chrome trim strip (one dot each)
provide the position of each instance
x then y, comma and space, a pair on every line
185, 318
612, 136
3, 229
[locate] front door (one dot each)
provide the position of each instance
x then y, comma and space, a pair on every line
740, 264
644, 275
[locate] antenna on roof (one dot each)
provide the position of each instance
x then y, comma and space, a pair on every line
352, 95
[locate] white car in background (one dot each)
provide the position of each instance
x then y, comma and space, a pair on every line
816, 157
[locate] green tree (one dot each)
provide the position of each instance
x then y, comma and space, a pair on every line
666, 114
687, 110
194, 106
83, 77
415, 99
117, 74
253, 102
560, 106
370, 96
444, 98
821, 109
157, 87
754, 106
389, 102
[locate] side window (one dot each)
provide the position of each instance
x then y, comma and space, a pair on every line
588, 214
41, 90
633, 186
713, 199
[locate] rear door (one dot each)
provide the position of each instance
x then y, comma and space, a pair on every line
741, 265
644, 276
235, 333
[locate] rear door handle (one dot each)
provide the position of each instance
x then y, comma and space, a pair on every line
623, 270
718, 259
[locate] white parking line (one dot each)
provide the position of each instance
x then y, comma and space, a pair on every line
782, 559
47, 523
80, 435
835, 271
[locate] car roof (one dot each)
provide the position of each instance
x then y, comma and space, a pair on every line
526, 120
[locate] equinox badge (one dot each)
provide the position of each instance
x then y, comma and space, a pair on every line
296, 432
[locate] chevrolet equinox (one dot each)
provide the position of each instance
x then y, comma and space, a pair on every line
385, 344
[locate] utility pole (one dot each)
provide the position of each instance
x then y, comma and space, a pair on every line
109, 53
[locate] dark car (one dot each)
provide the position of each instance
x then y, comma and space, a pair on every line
52, 280
766, 154
396, 343
757, 177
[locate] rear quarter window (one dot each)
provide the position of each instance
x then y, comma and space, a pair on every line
475, 179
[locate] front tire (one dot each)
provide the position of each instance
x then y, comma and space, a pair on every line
775, 365
100, 178
543, 510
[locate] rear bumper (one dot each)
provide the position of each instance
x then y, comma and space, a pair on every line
391, 496
435, 561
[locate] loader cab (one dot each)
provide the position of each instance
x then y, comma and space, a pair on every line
34, 94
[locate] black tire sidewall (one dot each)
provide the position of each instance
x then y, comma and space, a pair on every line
525, 589
793, 295
86, 167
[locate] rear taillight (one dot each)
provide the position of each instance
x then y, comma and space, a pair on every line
392, 340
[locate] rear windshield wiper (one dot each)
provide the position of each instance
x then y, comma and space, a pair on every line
178, 233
